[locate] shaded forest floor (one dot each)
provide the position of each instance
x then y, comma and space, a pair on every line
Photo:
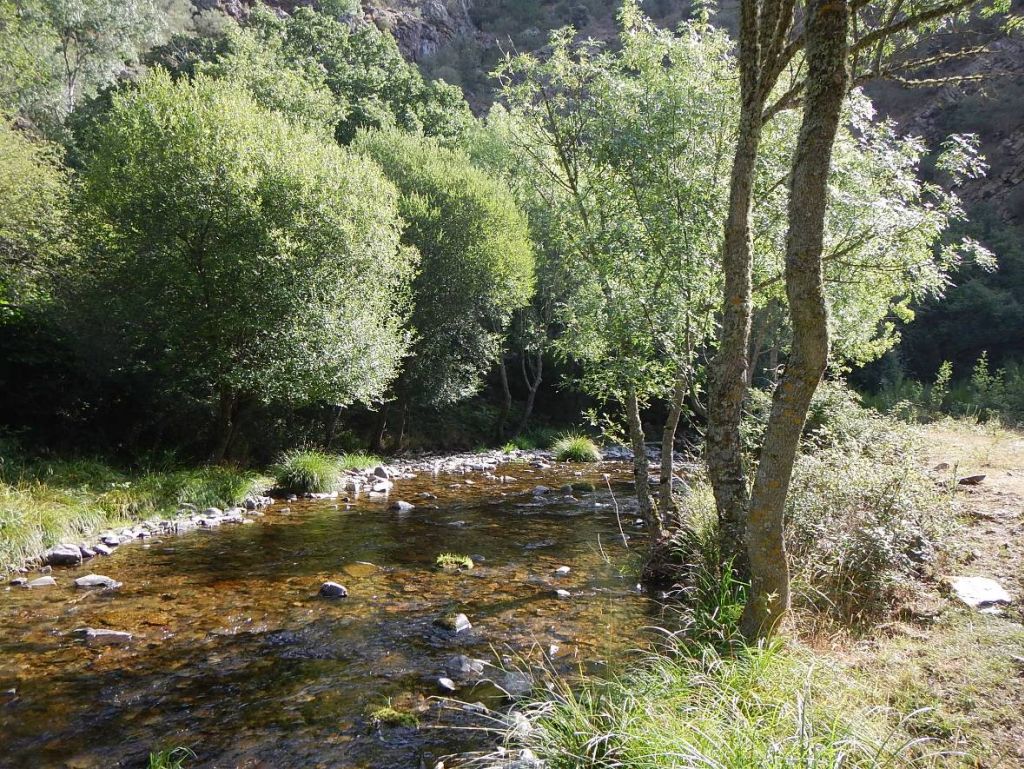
960, 670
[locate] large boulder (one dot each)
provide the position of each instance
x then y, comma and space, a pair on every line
64, 555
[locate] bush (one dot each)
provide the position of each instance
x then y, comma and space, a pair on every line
308, 472
573, 447
763, 708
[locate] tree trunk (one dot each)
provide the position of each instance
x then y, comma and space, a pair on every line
641, 469
532, 386
760, 323
331, 427
226, 408
727, 377
506, 402
826, 50
667, 507
377, 444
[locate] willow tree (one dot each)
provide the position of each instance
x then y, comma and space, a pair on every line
476, 268
234, 255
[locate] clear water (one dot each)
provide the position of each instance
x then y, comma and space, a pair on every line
237, 658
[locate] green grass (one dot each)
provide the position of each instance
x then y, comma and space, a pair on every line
453, 561
355, 460
308, 472
174, 758
388, 716
45, 503
767, 708
573, 447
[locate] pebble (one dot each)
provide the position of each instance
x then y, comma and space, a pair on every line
447, 684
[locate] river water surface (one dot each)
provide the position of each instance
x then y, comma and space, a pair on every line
237, 658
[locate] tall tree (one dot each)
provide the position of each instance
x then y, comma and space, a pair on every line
885, 39
826, 84
235, 256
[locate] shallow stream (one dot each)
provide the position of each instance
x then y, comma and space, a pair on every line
236, 657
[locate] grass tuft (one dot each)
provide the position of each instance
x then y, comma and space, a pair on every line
174, 758
308, 472
389, 716
573, 447
355, 460
453, 562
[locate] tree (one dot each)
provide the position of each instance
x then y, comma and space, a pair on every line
234, 254
365, 71
885, 37
33, 207
626, 151
58, 51
476, 269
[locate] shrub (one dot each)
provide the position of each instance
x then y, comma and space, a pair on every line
573, 447
308, 472
761, 707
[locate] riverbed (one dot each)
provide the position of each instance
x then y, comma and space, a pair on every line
235, 655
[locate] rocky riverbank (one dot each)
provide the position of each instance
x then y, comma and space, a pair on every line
375, 482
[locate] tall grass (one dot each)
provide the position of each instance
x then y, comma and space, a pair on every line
760, 707
45, 503
308, 472
574, 447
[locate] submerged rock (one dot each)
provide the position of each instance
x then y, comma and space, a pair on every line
97, 580
402, 506
462, 666
539, 491
104, 637
64, 555
333, 590
42, 582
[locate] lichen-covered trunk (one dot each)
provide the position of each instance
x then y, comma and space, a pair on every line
827, 81
668, 509
532, 385
640, 467
728, 372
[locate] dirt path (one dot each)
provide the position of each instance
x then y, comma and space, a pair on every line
964, 669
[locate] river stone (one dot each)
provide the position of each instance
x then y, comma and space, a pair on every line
562, 571
359, 569
427, 495
102, 549
104, 637
515, 683
454, 622
64, 555
42, 582
539, 491
18, 582
562, 593
87, 552
461, 665
111, 540
447, 684
333, 590
402, 506
382, 487
97, 580
980, 592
